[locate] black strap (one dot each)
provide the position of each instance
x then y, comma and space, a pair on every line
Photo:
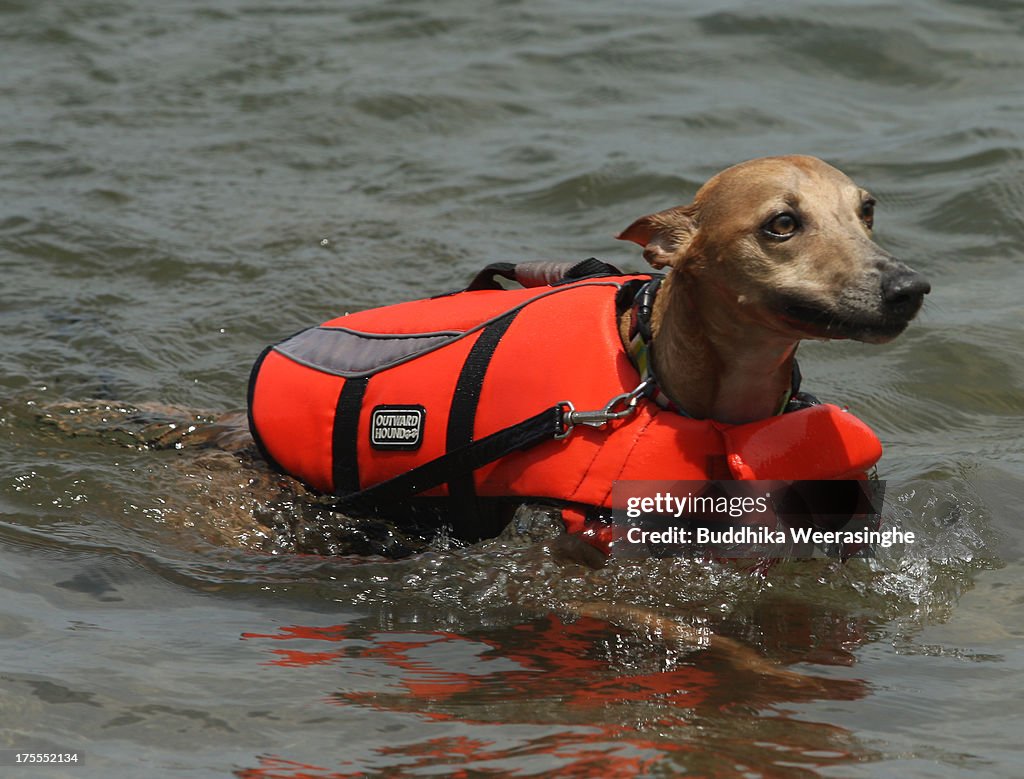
643, 308
466, 459
345, 436
487, 277
589, 268
465, 509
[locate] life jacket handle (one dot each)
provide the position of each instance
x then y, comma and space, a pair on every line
540, 273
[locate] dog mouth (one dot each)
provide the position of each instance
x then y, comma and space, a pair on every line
875, 311
816, 321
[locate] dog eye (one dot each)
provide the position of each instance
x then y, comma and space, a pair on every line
781, 226
867, 213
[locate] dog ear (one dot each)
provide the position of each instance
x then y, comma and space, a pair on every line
665, 235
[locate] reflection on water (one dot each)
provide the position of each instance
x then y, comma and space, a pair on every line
620, 701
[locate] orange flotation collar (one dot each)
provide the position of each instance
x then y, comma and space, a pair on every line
464, 396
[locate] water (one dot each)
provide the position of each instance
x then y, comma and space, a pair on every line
184, 183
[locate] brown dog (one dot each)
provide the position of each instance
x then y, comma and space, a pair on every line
771, 251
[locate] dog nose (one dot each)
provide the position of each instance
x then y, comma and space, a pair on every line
903, 291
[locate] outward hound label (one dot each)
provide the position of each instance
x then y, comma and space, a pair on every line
397, 427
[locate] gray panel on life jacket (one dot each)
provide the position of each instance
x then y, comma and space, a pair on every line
349, 353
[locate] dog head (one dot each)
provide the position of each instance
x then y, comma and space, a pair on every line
788, 242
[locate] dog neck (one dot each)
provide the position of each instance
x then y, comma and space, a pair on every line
711, 361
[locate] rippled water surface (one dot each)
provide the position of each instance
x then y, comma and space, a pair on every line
185, 182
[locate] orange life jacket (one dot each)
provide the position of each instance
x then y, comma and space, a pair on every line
419, 397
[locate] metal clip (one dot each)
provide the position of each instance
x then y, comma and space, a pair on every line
599, 418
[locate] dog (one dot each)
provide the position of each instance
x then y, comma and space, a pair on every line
771, 251
473, 394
